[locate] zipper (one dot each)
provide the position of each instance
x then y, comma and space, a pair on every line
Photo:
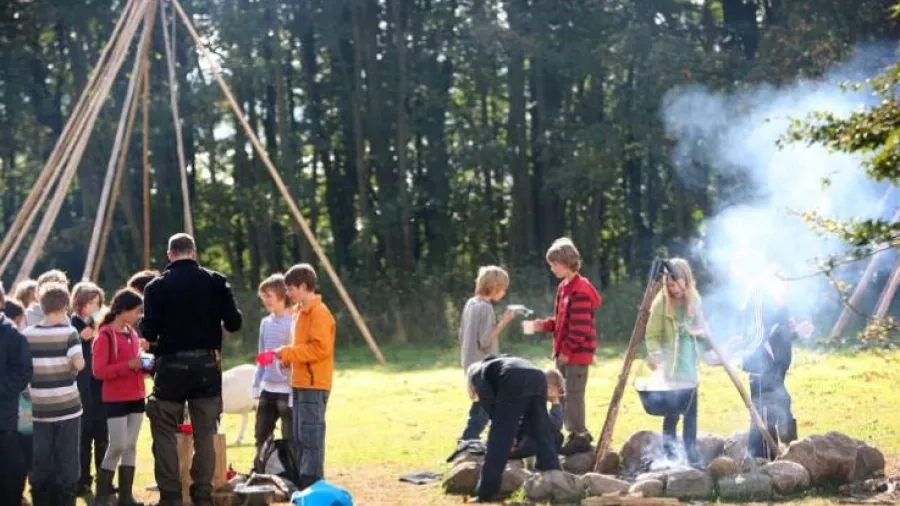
312, 377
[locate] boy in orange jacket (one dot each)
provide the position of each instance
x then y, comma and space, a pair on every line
311, 357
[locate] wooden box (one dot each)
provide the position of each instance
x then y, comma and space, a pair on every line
186, 456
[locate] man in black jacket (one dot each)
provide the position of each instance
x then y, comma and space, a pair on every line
15, 374
512, 391
185, 311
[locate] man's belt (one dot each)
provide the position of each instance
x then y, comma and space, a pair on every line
193, 354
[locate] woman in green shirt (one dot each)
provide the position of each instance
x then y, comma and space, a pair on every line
676, 337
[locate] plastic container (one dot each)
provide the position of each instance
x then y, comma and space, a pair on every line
265, 358
322, 493
186, 428
147, 361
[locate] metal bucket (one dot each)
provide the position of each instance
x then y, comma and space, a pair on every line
672, 399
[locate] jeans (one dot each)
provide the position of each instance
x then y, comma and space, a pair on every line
689, 431
56, 459
12, 479
273, 407
773, 403
309, 433
195, 378
478, 420
575, 413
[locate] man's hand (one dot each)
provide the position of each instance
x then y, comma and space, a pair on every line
86, 333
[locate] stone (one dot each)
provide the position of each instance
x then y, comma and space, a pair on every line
745, 487
788, 478
512, 480
462, 479
646, 488
723, 466
710, 446
609, 463
641, 445
689, 484
602, 484
736, 446
661, 477
579, 463
467, 457
835, 459
555, 487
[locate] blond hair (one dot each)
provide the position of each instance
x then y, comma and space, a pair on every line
82, 295
490, 280
681, 270
275, 285
564, 252
26, 292
53, 276
555, 380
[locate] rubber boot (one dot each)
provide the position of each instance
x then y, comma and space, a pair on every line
126, 486
105, 494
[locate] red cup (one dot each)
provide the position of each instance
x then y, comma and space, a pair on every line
186, 428
265, 358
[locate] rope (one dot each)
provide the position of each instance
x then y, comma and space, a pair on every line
42, 186
96, 102
126, 120
279, 182
173, 99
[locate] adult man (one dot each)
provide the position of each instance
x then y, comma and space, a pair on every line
15, 373
512, 391
185, 310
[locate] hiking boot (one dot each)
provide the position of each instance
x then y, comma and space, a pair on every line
576, 443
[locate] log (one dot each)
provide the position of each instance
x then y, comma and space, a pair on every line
634, 343
630, 501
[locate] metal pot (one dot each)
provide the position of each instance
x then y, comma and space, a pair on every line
665, 400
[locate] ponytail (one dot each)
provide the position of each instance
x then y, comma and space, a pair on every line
124, 300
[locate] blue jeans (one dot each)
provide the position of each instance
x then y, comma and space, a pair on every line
478, 420
309, 433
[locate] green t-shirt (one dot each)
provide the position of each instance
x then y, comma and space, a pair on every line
686, 365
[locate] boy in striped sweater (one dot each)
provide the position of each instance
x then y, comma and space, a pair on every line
56, 406
271, 385
574, 338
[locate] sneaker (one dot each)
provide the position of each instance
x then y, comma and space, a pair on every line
576, 443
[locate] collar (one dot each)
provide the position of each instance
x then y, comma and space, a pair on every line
311, 303
184, 262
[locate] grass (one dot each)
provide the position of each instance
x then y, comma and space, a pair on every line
384, 421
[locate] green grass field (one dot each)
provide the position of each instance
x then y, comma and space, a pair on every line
384, 421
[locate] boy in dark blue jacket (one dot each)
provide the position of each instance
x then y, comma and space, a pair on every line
15, 373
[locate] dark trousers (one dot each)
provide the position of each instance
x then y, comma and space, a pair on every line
55, 460
273, 407
26, 443
688, 431
194, 378
773, 403
478, 420
506, 415
12, 478
94, 440
309, 434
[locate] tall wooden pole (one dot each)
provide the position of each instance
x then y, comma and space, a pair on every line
279, 182
146, 159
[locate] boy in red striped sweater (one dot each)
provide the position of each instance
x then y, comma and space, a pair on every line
574, 338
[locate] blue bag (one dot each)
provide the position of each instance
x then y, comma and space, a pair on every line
26, 426
322, 493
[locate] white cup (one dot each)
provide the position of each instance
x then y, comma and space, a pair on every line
528, 327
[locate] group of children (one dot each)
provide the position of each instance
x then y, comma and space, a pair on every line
72, 384
505, 390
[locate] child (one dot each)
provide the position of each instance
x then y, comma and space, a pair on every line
525, 446
117, 362
311, 357
139, 280
87, 298
675, 340
773, 328
15, 313
513, 392
33, 313
270, 385
15, 374
479, 334
56, 407
26, 293
574, 338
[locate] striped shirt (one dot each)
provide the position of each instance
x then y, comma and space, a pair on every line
274, 332
54, 393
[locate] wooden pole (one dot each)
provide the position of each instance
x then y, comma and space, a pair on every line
887, 295
176, 119
99, 95
146, 160
295, 211
53, 167
126, 120
634, 343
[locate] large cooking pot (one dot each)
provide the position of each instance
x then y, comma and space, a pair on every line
664, 398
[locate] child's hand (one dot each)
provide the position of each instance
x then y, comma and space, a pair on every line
134, 363
804, 329
653, 360
86, 333
507, 317
563, 359
145, 344
254, 392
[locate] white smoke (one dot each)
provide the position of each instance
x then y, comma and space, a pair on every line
756, 224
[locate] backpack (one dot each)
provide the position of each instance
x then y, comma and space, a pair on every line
276, 457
